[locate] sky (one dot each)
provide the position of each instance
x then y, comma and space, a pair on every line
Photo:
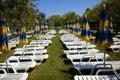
60, 7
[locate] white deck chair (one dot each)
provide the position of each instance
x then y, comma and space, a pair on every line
33, 47
91, 66
37, 43
88, 55
69, 52
81, 47
115, 48
36, 57
23, 63
115, 64
30, 49
37, 52
117, 36
96, 77
12, 74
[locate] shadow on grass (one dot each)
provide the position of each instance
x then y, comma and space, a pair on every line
67, 62
63, 56
109, 50
71, 71
64, 47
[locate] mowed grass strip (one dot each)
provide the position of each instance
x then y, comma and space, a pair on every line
54, 68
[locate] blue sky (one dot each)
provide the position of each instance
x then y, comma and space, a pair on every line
53, 7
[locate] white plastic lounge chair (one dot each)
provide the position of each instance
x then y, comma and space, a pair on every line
12, 75
115, 48
87, 55
96, 77
81, 47
69, 52
102, 74
115, 64
23, 63
36, 57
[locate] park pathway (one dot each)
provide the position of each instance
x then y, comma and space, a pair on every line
56, 66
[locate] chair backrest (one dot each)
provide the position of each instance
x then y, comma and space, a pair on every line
3, 71
87, 57
96, 60
8, 68
25, 59
106, 72
101, 66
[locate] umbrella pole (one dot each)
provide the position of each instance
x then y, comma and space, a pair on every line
6, 62
86, 47
104, 58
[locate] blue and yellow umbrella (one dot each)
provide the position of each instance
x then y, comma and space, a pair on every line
23, 37
67, 26
45, 27
42, 27
8, 30
86, 33
103, 37
4, 46
73, 27
77, 27
111, 25
37, 29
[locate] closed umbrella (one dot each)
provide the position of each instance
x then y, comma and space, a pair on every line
4, 46
67, 25
42, 27
86, 33
77, 27
111, 25
23, 36
8, 30
37, 29
45, 27
103, 38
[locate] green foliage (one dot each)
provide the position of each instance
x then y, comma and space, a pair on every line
13, 11
55, 20
113, 8
70, 16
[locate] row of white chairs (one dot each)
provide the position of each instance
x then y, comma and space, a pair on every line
25, 59
89, 59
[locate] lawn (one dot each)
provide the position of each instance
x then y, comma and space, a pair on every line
57, 67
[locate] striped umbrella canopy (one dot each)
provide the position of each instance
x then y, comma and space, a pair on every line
8, 30
73, 27
77, 27
103, 37
67, 26
70, 26
42, 27
111, 25
37, 29
45, 27
4, 46
86, 34
23, 36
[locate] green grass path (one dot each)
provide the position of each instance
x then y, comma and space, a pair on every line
54, 68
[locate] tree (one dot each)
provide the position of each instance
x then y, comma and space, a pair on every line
55, 20
70, 16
